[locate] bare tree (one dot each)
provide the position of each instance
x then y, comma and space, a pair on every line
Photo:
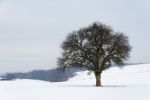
95, 47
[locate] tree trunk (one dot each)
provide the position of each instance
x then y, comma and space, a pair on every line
98, 78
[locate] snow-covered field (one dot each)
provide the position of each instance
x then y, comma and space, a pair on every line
129, 83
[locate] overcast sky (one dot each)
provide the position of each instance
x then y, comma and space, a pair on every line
31, 31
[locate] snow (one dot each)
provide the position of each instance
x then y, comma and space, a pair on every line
129, 83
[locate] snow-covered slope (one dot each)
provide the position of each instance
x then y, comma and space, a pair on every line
129, 83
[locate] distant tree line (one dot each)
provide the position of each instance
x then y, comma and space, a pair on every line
54, 75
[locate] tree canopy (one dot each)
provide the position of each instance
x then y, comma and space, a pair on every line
95, 47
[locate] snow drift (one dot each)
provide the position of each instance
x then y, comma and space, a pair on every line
129, 83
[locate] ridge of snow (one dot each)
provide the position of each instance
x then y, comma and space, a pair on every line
129, 83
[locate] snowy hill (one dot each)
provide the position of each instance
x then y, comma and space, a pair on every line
129, 83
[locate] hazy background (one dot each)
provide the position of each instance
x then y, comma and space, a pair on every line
31, 31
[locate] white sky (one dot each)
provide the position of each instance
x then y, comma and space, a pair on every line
31, 31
